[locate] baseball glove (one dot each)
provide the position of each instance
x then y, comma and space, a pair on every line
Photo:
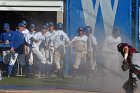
125, 66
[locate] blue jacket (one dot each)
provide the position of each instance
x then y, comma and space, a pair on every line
8, 36
19, 42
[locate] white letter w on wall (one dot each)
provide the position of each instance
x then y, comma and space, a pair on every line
108, 14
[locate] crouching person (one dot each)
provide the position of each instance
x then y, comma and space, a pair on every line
131, 63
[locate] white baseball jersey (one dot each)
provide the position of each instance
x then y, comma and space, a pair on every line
25, 32
91, 42
80, 43
38, 36
37, 46
47, 36
60, 39
80, 46
28, 37
51, 38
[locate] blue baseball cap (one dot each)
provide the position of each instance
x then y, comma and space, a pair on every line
88, 29
20, 25
6, 26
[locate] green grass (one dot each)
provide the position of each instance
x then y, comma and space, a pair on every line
29, 81
52, 82
38, 82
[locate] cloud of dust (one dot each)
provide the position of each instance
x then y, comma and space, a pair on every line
108, 76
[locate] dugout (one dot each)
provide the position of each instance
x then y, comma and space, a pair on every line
33, 11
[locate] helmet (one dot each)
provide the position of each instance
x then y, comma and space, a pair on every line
6, 26
51, 24
88, 29
47, 24
43, 27
32, 25
119, 46
80, 29
20, 25
24, 22
125, 66
59, 26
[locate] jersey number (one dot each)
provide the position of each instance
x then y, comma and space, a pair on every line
61, 37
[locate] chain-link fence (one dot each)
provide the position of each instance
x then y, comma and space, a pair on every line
135, 23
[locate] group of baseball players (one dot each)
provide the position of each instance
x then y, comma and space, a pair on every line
84, 47
37, 51
29, 46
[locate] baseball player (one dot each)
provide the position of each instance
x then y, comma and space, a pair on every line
25, 30
110, 60
37, 40
50, 41
91, 52
131, 63
29, 51
17, 49
45, 50
59, 43
7, 38
50, 44
79, 44
46, 41
110, 51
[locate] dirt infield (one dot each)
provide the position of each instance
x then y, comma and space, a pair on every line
45, 91
54, 91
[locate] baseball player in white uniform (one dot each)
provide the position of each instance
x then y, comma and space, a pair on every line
45, 50
91, 53
46, 47
50, 48
25, 31
110, 52
29, 51
50, 43
60, 41
37, 40
79, 44
111, 60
